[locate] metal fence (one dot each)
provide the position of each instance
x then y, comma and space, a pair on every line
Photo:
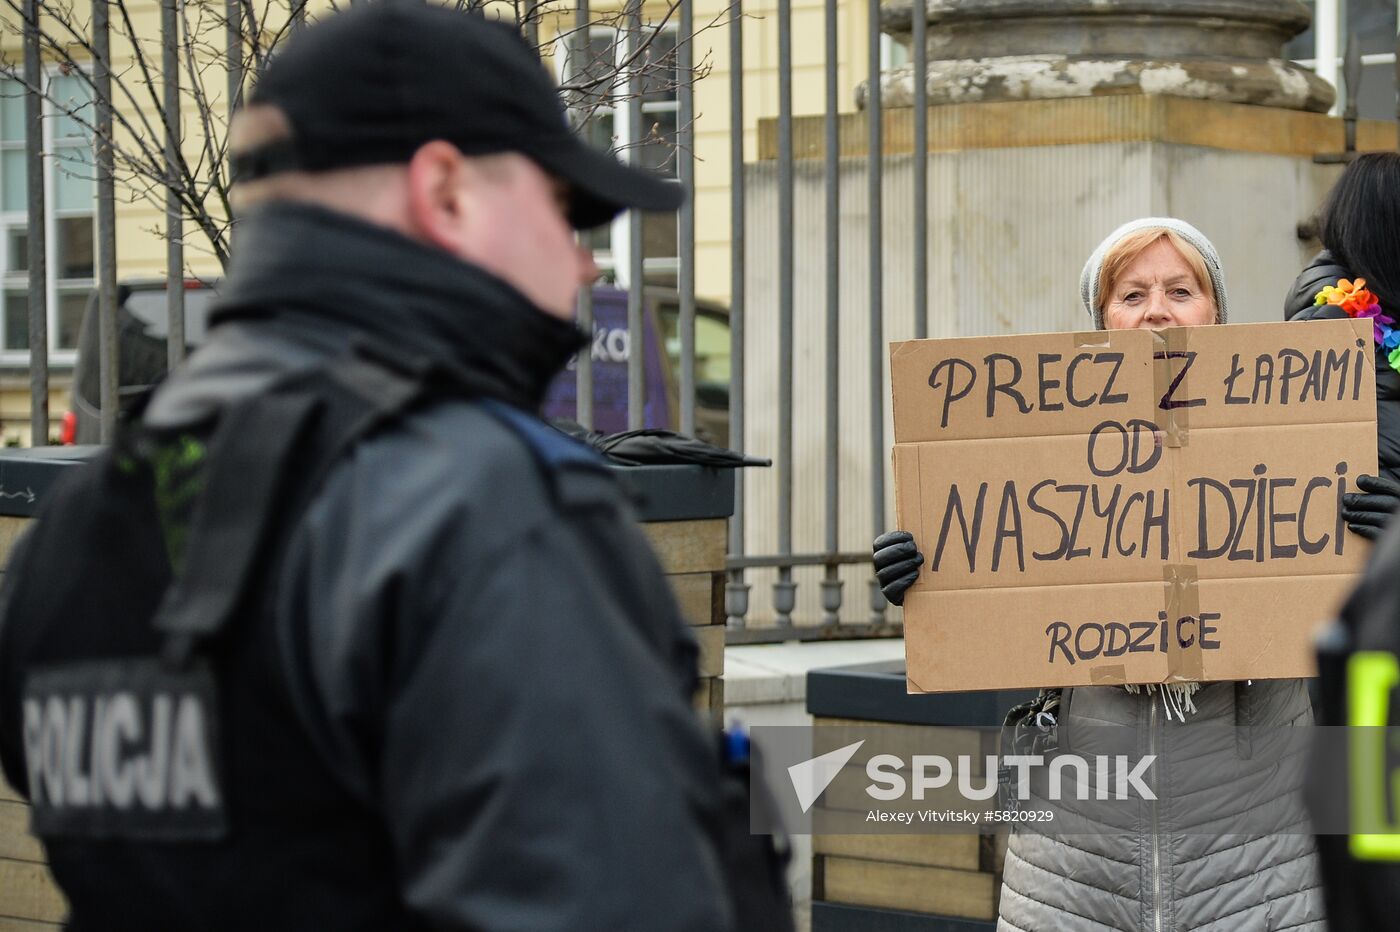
823, 560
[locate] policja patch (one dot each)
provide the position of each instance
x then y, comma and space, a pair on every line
124, 748
126, 743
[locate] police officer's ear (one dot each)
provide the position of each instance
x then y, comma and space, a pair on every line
438, 194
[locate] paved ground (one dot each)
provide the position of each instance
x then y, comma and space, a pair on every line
759, 674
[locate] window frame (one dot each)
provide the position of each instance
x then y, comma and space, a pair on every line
612, 260
53, 147
1337, 17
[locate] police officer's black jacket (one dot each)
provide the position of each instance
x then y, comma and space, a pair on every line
1324, 269
466, 704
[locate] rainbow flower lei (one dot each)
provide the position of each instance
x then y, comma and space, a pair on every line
1353, 298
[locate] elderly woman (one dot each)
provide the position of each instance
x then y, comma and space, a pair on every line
1155, 273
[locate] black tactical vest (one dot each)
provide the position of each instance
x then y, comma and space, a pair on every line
172, 782
143, 709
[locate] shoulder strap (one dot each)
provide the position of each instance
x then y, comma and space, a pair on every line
553, 448
576, 473
263, 450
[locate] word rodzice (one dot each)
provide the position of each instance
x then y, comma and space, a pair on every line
1091, 640
1000, 382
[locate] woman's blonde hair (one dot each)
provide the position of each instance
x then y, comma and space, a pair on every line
1123, 253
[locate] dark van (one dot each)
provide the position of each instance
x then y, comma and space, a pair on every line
142, 327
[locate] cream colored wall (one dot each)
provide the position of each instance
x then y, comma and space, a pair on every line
760, 68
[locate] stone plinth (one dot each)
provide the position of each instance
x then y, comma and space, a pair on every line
1221, 50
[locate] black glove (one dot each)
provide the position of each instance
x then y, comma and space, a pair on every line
897, 563
1367, 514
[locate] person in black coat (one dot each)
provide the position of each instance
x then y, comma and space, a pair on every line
1359, 226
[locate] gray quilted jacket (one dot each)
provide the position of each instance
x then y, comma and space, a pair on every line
1163, 881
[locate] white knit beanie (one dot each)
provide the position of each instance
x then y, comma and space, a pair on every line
1089, 278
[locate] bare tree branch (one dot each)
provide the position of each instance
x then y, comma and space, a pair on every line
199, 177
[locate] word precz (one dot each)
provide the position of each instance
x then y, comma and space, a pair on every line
1087, 379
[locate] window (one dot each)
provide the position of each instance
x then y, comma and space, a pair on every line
893, 54
69, 193
712, 347
655, 139
1374, 24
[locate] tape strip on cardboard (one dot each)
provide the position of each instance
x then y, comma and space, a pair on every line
1170, 380
1114, 674
1184, 664
1146, 408
1098, 339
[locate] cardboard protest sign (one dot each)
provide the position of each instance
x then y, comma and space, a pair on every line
1129, 506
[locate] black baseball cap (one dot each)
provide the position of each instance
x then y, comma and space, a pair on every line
372, 84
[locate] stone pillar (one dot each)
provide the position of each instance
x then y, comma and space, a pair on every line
992, 50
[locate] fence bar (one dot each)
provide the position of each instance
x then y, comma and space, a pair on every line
37, 241
174, 225
831, 582
583, 369
532, 25
233, 35
875, 173
920, 41
1351, 74
736, 591
583, 373
106, 219
636, 332
799, 559
685, 131
784, 590
810, 633
1325, 44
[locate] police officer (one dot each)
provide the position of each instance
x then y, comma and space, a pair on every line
1354, 779
338, 635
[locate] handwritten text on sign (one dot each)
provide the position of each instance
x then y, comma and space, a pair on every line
1128, 506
